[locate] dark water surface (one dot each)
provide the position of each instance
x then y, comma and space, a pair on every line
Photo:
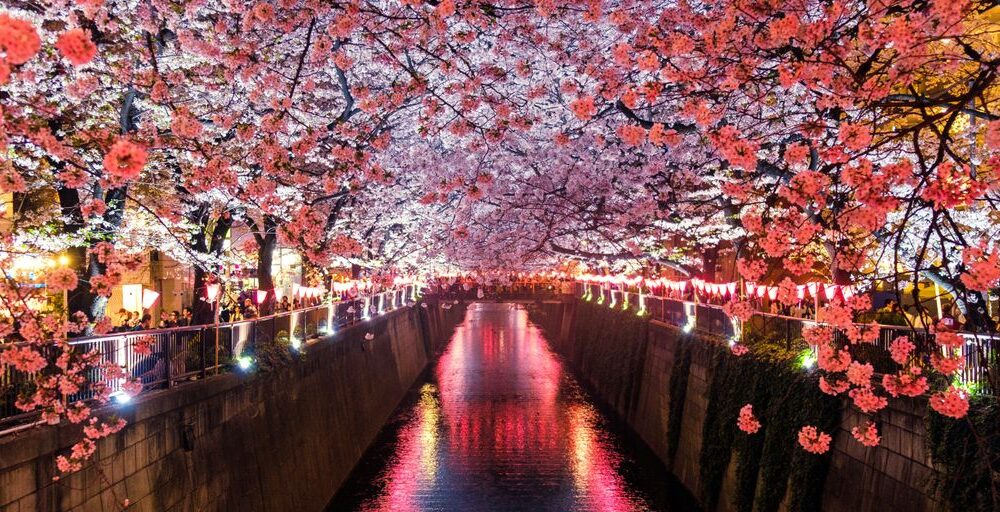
500, 424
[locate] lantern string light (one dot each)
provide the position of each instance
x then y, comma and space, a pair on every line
722, 290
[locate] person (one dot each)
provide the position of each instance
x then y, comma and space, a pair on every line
890, 306
249, 310
145, 323
123, 318
919, 319
150, 368
946, 321
231, 311
187, 317
890, 314
284, 305
798, 311
175, 319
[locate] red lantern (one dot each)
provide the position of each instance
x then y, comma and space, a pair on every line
830, 290
149, 298
847, 291
212, 291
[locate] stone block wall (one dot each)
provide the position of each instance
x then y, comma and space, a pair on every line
277, 441
893, 476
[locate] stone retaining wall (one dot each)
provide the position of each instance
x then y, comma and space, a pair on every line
634, 380
279, 441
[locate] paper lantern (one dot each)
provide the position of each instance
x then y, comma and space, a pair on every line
761, 290
813, 288
847, 291
212, 291
830, 290
800, 291
261, 295
750, 288
149, 298
296, 288
732, 289
772, 292
279, 293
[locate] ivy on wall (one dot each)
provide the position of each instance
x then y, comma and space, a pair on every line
678, 391
967, 454
769, 464
771, 470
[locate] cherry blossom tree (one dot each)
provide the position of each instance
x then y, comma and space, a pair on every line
854, 140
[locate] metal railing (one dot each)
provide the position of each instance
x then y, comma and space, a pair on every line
512, 291
980, 352
168, 357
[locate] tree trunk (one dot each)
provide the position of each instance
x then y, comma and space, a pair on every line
972, 303
81, 261
266, 242
201, 310
709, 260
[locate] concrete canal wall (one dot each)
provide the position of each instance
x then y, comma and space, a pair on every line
277, 441
658, 379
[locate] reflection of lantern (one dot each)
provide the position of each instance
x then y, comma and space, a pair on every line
149, 298
261, 295
212, 291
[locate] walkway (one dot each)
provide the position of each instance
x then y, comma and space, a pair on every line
501, 425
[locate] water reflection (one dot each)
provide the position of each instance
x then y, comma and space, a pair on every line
502, 426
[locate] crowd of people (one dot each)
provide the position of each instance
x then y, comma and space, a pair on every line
142, 321
233, 308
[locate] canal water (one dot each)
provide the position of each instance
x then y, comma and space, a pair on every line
500, 424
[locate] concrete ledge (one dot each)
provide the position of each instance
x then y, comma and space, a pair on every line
283, 440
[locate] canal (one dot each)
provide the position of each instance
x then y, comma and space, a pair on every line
500, 424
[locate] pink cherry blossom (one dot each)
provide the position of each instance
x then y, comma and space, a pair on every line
814, 441
747, 422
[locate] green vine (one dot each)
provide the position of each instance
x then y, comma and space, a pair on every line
678, 391
769, 464
967, 454
770, 468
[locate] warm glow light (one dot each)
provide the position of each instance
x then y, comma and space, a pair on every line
149, 298
212, 291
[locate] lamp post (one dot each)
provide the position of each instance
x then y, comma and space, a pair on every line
212, 292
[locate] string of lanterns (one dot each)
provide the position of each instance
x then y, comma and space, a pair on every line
815, 290
213, 290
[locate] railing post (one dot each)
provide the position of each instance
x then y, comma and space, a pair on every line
204, 350
168, 354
